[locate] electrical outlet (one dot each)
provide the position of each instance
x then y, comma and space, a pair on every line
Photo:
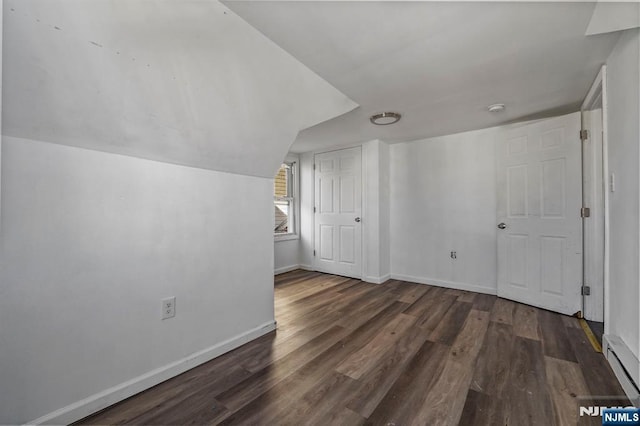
168, 307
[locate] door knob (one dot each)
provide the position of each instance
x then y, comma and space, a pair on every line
357, 219
502, 225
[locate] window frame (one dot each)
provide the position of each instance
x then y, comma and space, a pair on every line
292, 183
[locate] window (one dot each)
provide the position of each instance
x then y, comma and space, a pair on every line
284, 200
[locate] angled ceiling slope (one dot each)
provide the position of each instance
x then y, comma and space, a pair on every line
439, 64
614, 16
184, 82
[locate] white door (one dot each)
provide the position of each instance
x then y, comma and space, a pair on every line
540, 226
338, 206
595, 196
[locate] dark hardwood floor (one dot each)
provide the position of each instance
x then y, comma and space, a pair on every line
350, 353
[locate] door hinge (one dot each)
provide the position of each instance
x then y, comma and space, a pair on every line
314, 166
585, 212
584, 135
314, 209
586, 290
314, 253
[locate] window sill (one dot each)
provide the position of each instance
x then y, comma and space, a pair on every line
286, 237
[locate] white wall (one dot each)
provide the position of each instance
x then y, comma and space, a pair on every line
375, 218
385, 211
91, 243
443, 199
371, 211
1, 68
286, 255
623, 73
421, 200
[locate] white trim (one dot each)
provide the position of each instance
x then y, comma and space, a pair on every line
621, 358
599, 89
306, 267
363, 216
605, 175
365, 229
447, 284
1, 17
594, 90
293, 161
337, 148
377, 280
284, 269
83, 408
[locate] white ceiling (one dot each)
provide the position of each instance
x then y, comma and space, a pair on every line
184, 82
440, 64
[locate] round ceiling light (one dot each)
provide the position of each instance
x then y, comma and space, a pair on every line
385, 118
496, 108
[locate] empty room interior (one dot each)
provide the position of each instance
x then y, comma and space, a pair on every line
319, 212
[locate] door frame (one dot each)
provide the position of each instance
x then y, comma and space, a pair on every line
598, 88
363, 213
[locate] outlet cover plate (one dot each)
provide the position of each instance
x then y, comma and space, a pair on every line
168, 307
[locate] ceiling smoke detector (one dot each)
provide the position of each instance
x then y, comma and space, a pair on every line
385, 118
496, 108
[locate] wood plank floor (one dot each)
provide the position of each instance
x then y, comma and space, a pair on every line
351, 353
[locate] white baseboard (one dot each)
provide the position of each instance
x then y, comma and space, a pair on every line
104, 399
306, 267
284, 269
624, 364
377, 280
448, 284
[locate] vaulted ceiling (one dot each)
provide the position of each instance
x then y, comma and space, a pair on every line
184, 82
440, 64
189, 82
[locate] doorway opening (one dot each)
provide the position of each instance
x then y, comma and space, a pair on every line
595, 190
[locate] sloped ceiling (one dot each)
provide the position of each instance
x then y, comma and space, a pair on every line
185, 82
440, 64
613, 16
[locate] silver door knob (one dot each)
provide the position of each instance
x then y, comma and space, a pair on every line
502, 225
357, 219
